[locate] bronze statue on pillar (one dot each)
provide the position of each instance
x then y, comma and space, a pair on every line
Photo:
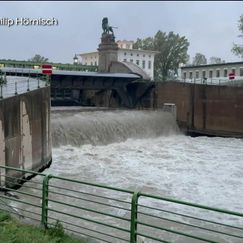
107, 48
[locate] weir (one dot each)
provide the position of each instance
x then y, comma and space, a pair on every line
108, 126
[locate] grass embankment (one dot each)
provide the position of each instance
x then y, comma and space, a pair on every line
15, 232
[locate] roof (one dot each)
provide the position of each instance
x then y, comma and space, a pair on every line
212, 65
71, 73
121, 49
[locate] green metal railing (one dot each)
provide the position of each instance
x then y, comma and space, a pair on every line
58, 66
110, 214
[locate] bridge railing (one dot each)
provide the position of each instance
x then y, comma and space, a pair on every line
110, 214
57, 66
238, 82
11, 85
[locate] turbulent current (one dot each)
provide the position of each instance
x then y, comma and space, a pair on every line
105, 127
144, 150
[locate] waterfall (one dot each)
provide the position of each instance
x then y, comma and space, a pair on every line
104, 127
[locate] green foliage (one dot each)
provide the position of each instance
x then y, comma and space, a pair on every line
199, 59
172, 50
12, 231
238, 49
216, 60
38, 59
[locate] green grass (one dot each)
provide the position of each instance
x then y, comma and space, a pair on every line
12, 231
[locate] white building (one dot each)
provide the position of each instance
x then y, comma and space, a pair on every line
142, 58
212, 71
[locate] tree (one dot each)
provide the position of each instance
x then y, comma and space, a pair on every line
238, 49
172, 50
38, 59
199, 59
216, 60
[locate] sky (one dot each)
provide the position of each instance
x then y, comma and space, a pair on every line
210, 27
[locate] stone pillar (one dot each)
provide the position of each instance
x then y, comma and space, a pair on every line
107, 52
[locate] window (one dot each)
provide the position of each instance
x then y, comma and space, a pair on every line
137, 62
137, 55
225, 72
95, 63
131, 54
217, 73
204, 74
149, 56
241, 71
131, 60
190, 75
233, 70
125, 53
124, 60
184, 75
143, 64
91, 63
143, 55
210, 73
149, 64
197, 74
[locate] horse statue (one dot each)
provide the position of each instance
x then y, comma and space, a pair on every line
105, 26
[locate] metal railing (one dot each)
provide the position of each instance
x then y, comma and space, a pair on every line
110, 214
14, 85
57, 66
238, 82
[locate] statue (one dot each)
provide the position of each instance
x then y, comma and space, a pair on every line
106, 28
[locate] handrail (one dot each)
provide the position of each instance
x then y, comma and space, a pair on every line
85, 208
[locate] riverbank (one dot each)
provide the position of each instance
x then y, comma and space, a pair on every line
11, 230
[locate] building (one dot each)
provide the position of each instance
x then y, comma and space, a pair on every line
142, 58
212, 71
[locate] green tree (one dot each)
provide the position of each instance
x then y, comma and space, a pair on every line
238, 49
171, 48
199, 59
216, 60
38, 59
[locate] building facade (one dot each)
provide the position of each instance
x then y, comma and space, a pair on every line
212, 71
142, 58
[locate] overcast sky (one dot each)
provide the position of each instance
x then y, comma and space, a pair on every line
210, 27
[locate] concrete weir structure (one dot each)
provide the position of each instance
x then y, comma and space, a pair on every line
25, 138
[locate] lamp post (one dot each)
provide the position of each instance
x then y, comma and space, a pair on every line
75, 59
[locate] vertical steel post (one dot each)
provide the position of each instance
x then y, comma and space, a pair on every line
44, 211
134, 214
16, 91
1, 94
28, 84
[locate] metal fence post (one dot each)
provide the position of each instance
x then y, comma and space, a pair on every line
44, 211
134, 214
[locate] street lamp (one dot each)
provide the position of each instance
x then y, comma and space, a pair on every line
75, 59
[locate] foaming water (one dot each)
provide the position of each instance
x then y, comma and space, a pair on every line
201, 170
143, 151
104, 127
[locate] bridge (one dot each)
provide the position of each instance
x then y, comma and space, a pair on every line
67, 86
56, 66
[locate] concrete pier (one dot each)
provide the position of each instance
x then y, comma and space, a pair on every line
25, 138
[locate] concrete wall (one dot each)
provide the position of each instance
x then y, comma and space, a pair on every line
207, 109
25, 138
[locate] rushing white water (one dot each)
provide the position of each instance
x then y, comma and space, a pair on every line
156, 158
200, 170
105, 127
144, 151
